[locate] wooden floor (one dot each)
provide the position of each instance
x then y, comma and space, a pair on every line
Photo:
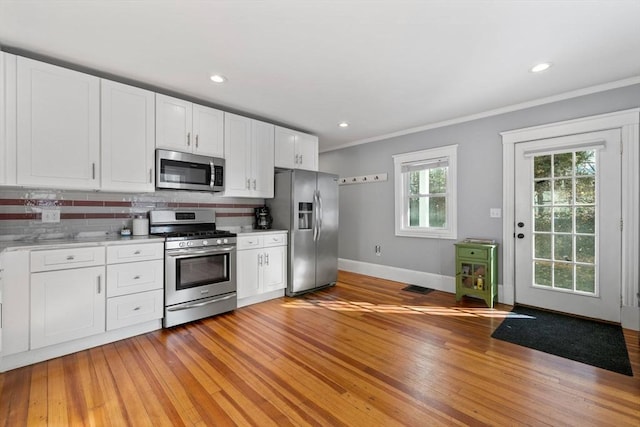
363, 353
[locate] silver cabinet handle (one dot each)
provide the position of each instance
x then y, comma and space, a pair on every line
260, 259
93, 171
188, 139
300, 158
197, 141
248, 183
136, 309
296, 161
136, 277
70, 257
254, 184
99, 284
150, 176
137, 252
266, 259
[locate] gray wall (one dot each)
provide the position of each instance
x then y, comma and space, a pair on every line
367, 210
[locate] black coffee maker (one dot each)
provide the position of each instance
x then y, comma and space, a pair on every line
262, 218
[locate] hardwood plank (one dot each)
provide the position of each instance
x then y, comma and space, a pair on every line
361, 353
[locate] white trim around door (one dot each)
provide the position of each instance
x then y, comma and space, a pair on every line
628, 121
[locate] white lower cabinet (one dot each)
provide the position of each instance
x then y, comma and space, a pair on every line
72, 297
67, 305
262, 265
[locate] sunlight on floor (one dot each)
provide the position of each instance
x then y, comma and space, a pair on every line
366, 307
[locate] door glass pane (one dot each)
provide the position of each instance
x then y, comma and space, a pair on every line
542, 219
585, 190
586, 162
542, 191
563, 247
586, 220
542, 273
586, 249
542, 167
586, 278
542, 245
563, 276
562, 220
563, 164
562, 191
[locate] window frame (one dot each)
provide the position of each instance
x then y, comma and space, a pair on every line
402, 228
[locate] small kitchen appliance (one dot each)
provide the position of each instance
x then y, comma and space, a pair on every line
199, 263
262, 218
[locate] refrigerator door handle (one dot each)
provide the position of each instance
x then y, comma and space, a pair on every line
315, 212
319, 214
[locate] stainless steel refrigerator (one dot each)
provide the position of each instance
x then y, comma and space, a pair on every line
306, 204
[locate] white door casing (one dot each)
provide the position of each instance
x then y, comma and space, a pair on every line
628, 121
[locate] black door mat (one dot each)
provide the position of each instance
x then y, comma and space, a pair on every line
587, 341
417, 289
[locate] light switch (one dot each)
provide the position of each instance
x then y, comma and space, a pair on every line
495, 212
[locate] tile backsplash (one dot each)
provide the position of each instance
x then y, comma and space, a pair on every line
21, 210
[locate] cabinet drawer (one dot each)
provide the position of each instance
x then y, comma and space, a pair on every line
473, 253
134, 277
60, 259
275, 240
249, 242
129, 310
131, 253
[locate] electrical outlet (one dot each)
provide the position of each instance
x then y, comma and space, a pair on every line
495, 212
378, 250
50, 215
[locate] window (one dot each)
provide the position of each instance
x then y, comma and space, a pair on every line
425, 183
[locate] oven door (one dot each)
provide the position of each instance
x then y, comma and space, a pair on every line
193, 274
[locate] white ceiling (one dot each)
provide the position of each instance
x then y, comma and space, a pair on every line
382, 66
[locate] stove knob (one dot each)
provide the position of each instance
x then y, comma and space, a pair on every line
225, 240
218, 241
189, 243
205, 243
181, 244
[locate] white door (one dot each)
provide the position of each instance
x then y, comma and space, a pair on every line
128, 137
248, 272
568, 224
274, 269
285, 148
307, 150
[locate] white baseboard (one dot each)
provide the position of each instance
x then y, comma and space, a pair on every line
413, 277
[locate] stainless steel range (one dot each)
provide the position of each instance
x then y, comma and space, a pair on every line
199, 263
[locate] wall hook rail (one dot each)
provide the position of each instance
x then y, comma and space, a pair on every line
363, 179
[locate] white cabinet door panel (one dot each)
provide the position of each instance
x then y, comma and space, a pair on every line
262, 159
128, 137
274, 270
208, 130
237, 149
58, 116
248, 274
173, 123
285, 148
307, 151
67, 305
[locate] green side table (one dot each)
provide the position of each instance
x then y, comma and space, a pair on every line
477, 271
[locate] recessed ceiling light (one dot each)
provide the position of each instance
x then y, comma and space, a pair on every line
217, 78
540, 67
343, 124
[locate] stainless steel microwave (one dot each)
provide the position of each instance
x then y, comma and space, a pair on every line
185, 171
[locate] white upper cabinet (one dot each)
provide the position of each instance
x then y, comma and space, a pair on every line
295, 150
187, 127
248, 146
58, 126
128, 137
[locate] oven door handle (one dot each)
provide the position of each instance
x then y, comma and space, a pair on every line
200, 304
186, 253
